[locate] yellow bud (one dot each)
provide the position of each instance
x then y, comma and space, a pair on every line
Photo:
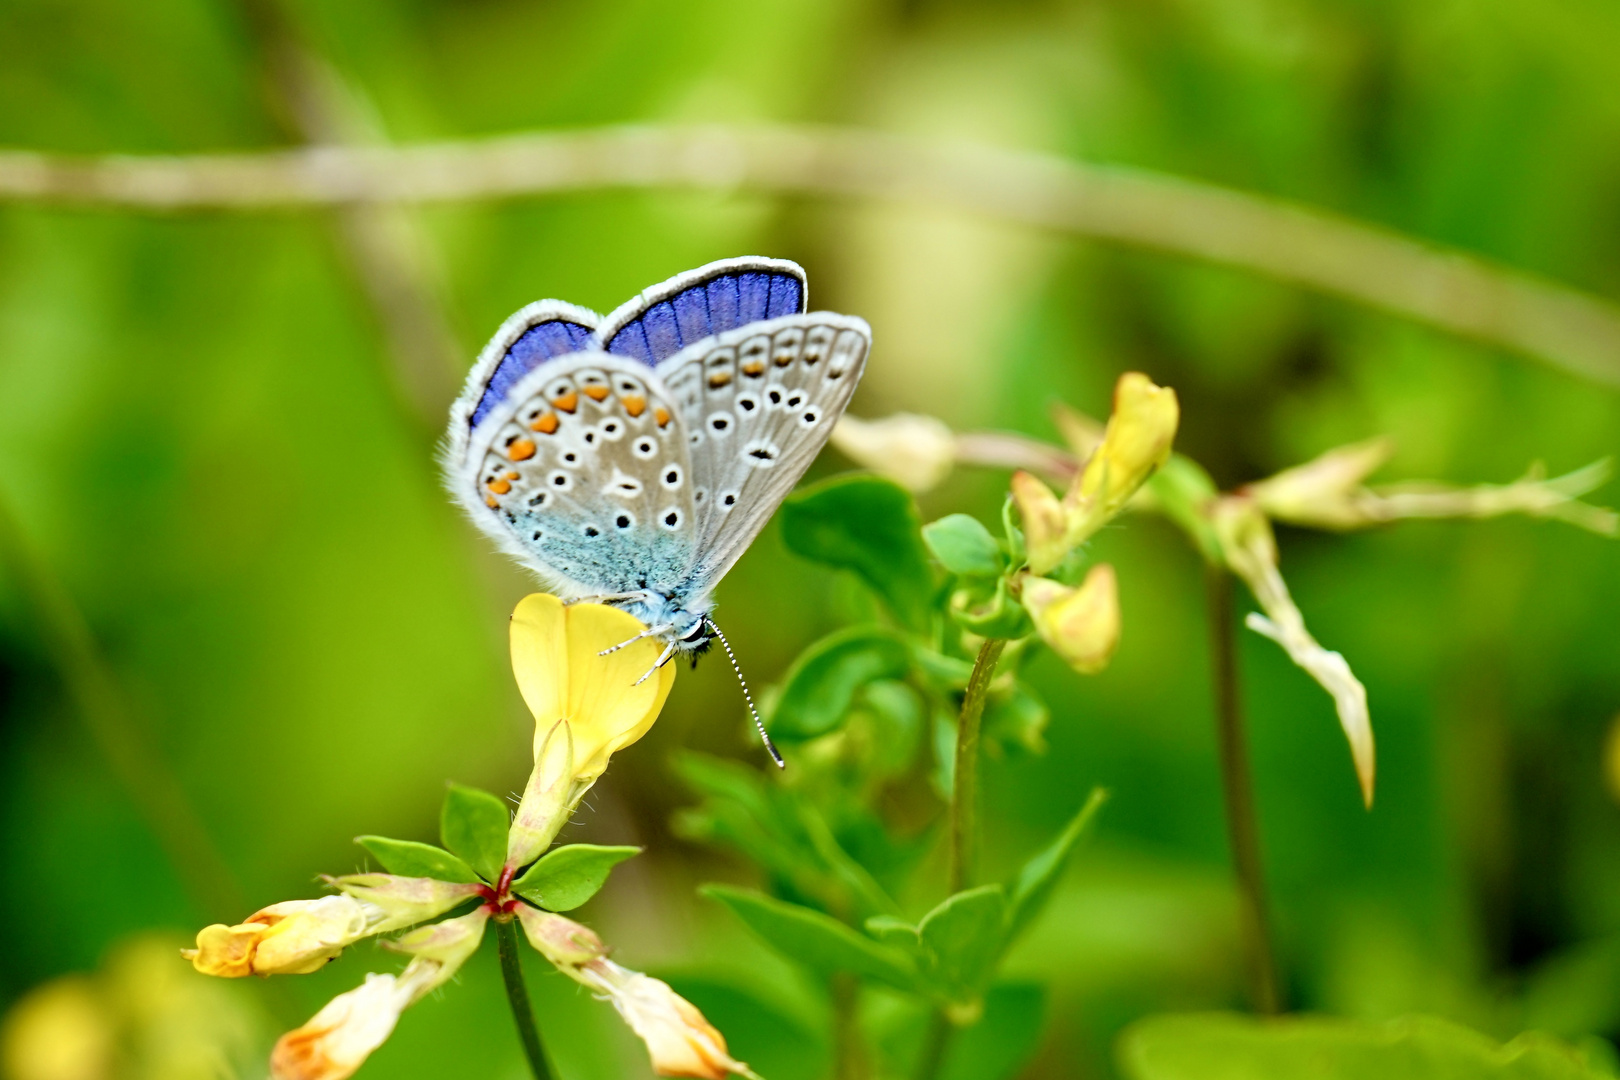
1045, 524
294, 937
1325, 492
1136, 442
1081, 625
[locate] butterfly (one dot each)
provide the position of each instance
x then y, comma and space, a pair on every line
631, 459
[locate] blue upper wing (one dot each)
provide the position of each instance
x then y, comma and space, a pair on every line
699, 303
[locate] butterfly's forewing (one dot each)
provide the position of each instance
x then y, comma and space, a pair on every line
701, 303
758, 403
581, 470
542, 331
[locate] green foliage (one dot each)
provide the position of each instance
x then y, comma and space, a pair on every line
1004, 1038
1033, 886
964, 546
962, 940
565, 877
869, 526
1227, 1047
473, 824
408, 858
823, 682
814, 939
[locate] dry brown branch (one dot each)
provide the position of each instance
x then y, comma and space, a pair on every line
1474, 297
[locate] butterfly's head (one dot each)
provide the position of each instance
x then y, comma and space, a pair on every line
693, 635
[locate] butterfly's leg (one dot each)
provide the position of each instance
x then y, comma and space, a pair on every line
669, 650
649, 632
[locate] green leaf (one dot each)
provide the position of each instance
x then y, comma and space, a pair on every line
826, 676
962, 938
818, 941
990, 612
568, 876
407, 858
1016, 718
1033, 886
1223, 1046
964, 546
868, 525
473, 824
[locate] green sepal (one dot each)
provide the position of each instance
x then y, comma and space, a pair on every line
964, 546
826, 677
962, 940
473, 824
1183, 489
991, 613
407, 858
566, 877
818, 941
870, 526
1033, 886
1009, 528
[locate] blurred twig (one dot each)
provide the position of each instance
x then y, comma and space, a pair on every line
121, 740
312, 102
1475, 297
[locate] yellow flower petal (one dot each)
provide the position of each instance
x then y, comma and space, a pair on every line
607, 710
540, 656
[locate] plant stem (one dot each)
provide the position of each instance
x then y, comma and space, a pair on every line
964, 814
518, 994
935, 1040
849, 1060
1243, 833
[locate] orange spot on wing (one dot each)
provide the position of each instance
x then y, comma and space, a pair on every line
661, 415
567, 403
719, 379
500, 486
596, 393
546, 425
520, 449
784, 359
489, 501
634, 404
754, 368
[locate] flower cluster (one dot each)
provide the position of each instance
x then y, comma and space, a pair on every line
589, 701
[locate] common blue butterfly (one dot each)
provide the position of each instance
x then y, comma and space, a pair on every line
632, 459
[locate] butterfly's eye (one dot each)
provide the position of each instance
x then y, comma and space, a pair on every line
697, 633
672, 476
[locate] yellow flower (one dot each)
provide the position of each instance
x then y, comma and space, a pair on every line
1046, 524
1080, 625
586, 706
1135, 443
679, 1040
337, 1040
294, 937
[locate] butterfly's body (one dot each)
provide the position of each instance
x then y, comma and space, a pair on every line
631, 459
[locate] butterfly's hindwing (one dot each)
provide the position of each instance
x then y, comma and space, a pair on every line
758, 404
584, 470
701, 303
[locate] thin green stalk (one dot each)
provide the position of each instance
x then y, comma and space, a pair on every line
849, 1057
1243, 832
964, 814
935, 1040
121, 740
517, 992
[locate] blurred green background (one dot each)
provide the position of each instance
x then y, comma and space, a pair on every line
204, 440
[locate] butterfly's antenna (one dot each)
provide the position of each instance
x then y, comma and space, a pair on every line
770, 747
